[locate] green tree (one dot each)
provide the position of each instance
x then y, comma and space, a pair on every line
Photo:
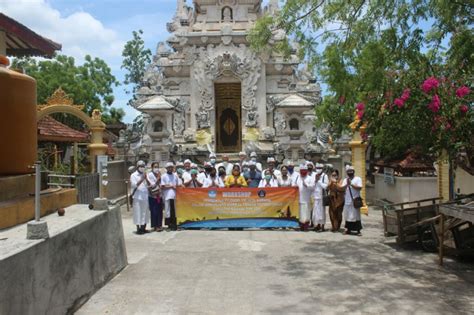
135, 60
371, 51
89, 84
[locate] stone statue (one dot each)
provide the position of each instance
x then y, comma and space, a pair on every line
189, 135
202, 118
227, 14
178, 123
280, 122
252, 119
268, 133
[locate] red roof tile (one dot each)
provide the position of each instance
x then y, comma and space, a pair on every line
49, 129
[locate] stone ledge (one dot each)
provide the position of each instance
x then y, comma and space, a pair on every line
56, 275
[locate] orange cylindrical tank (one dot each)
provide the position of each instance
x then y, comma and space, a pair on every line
18, 123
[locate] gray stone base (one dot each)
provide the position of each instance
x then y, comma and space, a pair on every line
37, 230
101, 204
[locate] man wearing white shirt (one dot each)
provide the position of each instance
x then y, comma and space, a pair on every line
253, 158
319, 210
291, 170
213, 181
305, 184
271, 167
141, 213
268, 180
353, 186
242, 159
169, 182
226, 164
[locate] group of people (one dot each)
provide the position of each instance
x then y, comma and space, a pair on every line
318, 186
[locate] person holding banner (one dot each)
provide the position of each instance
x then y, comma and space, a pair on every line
352, 185
284, 180
140, 206
213, 181
169, 182
235, 180
268, 180
319, 210
305, 184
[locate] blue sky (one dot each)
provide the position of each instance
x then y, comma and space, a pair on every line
99, 28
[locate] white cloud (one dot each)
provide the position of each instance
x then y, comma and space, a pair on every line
79, 33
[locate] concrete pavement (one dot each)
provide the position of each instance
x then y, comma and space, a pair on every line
287, 272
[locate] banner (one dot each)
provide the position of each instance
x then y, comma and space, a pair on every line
198, 204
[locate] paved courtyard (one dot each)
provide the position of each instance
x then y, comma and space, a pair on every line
287, 272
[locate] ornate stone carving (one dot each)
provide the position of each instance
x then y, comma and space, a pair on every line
252, 119
215, 62
268, 133
202, 118
280, 122
272, 100
189, 135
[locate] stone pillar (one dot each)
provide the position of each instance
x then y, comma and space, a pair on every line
358, 148
443, 177
97, 145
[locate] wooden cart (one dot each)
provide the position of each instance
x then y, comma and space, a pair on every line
413, 221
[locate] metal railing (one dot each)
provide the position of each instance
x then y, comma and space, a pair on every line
87, 185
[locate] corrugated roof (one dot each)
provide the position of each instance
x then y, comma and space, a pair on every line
49, 129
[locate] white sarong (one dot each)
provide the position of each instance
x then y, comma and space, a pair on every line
319, 212
305, 212
141, 213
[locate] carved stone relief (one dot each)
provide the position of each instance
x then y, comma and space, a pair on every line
217, 61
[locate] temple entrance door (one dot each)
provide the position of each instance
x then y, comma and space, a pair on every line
228, 117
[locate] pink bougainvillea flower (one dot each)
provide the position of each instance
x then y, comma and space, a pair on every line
435, 104
360, 107
360, 115
429, 84
399, 102
463, 109
447, 126
406, 95
462, 91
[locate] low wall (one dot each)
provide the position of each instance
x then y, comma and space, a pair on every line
12, 187
21, 210
117, 173
463, 182
86, 249
405, 188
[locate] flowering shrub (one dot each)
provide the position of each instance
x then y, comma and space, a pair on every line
432, 113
